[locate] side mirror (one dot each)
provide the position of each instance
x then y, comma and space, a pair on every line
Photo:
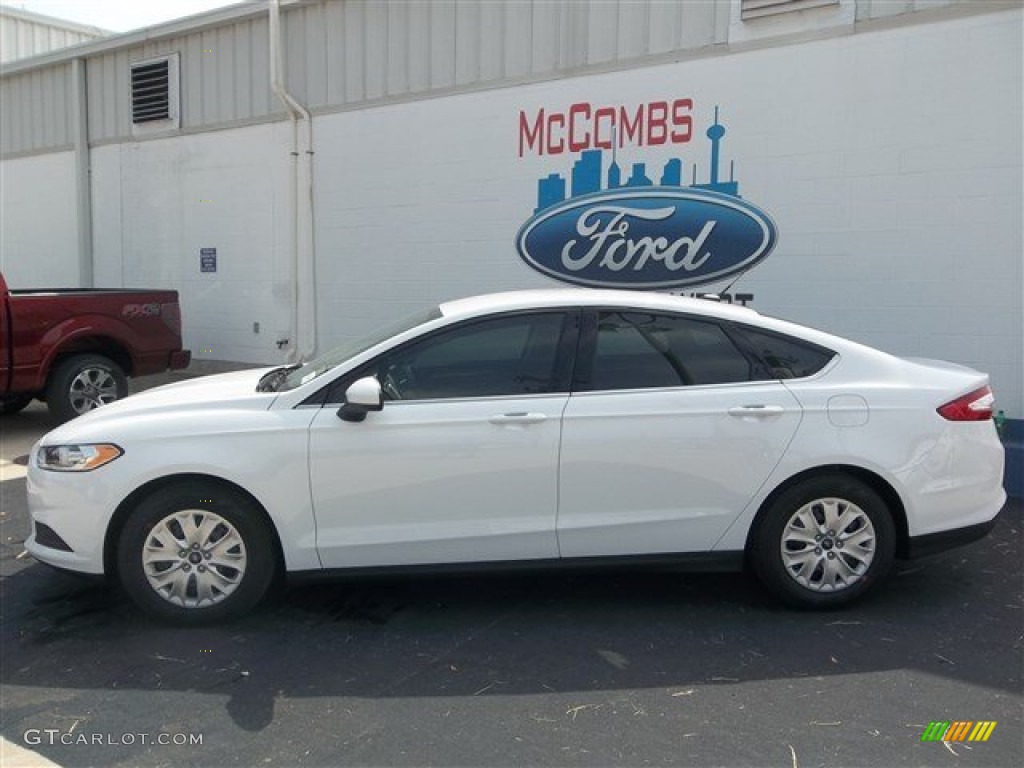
362, 397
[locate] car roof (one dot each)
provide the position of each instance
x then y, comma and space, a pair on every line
589, 297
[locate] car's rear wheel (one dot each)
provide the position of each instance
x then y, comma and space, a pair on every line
83, 382
824, 542
195, 553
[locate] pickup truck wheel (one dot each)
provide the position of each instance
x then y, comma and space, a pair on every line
196, 553
14, 403
84, 382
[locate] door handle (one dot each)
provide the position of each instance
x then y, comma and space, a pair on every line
518, 418
757, 412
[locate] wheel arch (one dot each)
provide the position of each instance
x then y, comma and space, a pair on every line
876, 482
125, 508
116, 350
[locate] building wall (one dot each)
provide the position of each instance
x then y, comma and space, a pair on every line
890, 160
897, 197
882, 9
39, 234
224, 74
157, 204
36, 111
24, 34
343, 54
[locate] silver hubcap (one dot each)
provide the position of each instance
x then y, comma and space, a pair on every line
91, 388
828, 545
194, 558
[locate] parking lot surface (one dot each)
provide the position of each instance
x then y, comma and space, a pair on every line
575, 669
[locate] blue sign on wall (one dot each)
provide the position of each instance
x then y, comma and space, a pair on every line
635, 234
207, 259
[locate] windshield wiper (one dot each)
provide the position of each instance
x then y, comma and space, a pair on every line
271, 380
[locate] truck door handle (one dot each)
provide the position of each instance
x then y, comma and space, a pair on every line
756, 412
518, 418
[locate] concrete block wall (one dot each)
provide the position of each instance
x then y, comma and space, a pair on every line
39, 224
157, 204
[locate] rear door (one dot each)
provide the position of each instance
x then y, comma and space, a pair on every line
667, 436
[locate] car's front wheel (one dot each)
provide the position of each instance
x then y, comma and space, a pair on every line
824, 542
195, 553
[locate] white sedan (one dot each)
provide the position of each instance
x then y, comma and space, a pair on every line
531, 428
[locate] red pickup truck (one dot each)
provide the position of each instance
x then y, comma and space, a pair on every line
75, 347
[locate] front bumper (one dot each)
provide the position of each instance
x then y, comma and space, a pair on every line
70, 513
62, 560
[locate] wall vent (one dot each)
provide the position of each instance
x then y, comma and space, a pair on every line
755, 9
155, 93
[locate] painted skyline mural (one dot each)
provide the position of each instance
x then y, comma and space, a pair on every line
588, 175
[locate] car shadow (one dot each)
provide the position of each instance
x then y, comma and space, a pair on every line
948, 615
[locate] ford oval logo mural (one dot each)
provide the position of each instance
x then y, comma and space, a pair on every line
658, 238
633, 232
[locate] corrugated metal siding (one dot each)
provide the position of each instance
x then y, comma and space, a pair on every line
224, 78
21, 38
34, 110
109, 91
344, 53
374, 49
880, 9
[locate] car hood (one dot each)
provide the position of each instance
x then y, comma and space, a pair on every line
232, 391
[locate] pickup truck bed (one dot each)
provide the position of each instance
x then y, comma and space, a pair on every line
74, 347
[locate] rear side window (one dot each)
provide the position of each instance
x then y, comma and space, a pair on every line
784, 356
641, 350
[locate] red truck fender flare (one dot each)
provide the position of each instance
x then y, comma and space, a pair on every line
58, 339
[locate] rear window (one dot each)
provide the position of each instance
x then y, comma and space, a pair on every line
785, 356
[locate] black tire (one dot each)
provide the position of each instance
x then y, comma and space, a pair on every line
840, 568
83, 382
14, 403
234, 586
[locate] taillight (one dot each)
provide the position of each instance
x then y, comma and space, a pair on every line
974, 406
171, 315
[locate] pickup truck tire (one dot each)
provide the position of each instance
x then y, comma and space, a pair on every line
81, 383
14, 403
194, 553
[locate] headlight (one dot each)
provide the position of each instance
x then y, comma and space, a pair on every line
76, 458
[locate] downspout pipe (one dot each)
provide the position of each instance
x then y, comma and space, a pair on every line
295, 112
83, 173
309, 348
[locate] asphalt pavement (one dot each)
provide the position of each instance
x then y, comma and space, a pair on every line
580, 669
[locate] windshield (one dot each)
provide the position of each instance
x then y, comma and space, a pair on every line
320, 365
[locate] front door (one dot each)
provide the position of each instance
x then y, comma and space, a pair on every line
461, 464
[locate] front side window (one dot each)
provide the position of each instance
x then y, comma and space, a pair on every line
504, 356
641, 350
300, 374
